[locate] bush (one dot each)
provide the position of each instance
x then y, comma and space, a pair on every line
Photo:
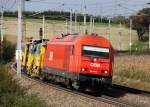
141, 23
8, 51
12, 95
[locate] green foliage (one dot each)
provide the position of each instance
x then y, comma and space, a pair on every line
144, 11
63, 16
140, 46
29, 101
12, 95
119, 19
8, 51
141, 23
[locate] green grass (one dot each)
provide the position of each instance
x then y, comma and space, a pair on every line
60, 22
12, 94
133, 74
140, 46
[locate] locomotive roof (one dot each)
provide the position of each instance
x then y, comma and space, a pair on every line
71, 39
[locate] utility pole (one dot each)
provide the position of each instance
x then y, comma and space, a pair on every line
84, 17
120, 34
66, 26
93, 25
2, 33
108, 29
2, 18
20, 33
91, 19
84, 23
149, 35
23, 22
130, 34
71, 21
101, 12
43, 26
75, 22
109, 26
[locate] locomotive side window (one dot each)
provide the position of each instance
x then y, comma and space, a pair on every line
95, 51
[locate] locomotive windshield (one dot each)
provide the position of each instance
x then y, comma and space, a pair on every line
95, 51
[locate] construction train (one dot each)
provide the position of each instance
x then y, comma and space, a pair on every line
82, 62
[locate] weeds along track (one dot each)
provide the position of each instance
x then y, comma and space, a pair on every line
106, 96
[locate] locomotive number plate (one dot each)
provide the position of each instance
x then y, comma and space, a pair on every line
95, 65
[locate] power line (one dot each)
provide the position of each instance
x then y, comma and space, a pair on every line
12, 6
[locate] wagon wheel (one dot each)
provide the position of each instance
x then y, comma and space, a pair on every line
42, 77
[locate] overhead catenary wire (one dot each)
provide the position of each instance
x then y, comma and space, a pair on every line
7, 7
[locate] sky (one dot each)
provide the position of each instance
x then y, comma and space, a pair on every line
107, 8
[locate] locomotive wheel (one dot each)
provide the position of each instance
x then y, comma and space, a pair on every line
75, 85
98, 93
69, 84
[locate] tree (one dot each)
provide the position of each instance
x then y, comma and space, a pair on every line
141, 22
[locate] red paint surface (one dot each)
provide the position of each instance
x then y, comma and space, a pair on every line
67, 55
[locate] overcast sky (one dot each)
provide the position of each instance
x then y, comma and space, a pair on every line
95, 7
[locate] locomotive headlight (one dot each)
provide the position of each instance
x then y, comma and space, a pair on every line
94, 59
82, 69
105, 72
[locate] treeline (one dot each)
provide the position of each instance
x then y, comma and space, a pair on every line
61, 15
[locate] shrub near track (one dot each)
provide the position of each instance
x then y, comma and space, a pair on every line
7, 51
11, 93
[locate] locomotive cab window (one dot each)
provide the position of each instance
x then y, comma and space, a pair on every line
95, 51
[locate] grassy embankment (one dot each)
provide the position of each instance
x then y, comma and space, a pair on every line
140, 47
11, 93
134, 70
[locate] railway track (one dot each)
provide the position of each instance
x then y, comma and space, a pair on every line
102, 98
131, 90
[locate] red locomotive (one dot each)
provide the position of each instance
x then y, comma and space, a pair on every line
81, 62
